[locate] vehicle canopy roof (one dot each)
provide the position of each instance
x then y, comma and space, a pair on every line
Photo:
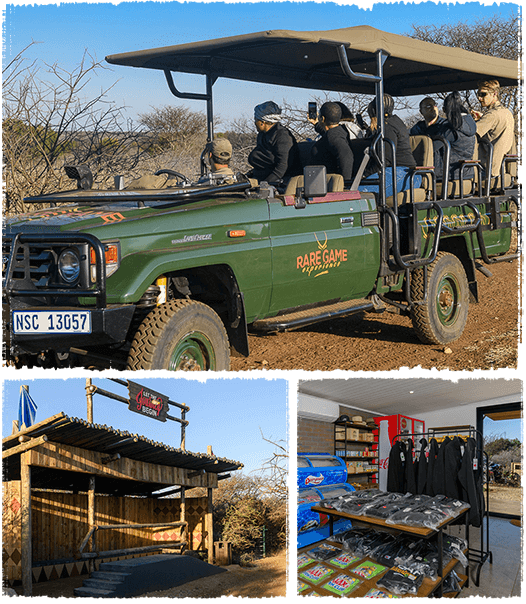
310, 60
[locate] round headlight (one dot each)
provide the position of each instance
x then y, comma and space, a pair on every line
69, 266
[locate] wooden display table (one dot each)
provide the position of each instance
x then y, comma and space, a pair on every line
427, 587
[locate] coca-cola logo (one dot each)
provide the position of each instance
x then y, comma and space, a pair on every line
383, 463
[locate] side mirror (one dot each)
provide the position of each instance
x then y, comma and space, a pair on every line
315, 181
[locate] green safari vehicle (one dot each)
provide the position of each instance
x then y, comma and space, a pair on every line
176, 278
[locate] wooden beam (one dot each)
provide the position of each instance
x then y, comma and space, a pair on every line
25, 446
34, 428
25, 496
58, 456
132, 550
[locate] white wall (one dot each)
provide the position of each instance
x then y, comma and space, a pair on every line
463, 415
321, 409
313, 407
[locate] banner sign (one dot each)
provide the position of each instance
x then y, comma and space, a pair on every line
147, 402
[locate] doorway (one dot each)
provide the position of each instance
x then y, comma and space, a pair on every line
501, 429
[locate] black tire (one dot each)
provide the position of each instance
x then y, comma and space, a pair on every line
181, 335
442, 318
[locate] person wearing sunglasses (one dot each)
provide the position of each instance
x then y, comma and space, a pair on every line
495, 123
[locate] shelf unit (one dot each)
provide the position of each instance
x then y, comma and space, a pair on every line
428, 586
357, 444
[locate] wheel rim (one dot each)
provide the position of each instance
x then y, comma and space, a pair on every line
448, 300
194, 352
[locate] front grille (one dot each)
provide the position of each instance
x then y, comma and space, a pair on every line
30, 270
35, 264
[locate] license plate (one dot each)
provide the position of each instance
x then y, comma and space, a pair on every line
57, 321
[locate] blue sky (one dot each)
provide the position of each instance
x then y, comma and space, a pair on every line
225, 413
66, 30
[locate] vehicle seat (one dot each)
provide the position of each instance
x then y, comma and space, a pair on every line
335, 184
510, 167
422, 149
150, 182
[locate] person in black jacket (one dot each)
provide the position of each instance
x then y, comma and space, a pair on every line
460, 130
275, 157
332, 149
396, 131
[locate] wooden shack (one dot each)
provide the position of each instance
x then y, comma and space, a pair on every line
78, 493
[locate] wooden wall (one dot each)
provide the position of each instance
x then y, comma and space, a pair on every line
59, 524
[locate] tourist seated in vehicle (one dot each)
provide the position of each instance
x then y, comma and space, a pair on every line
432, 120
275, 158
218, 153
348, 121
332, 149
459, 129
495, 123
396, 131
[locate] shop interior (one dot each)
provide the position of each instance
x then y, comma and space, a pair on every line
366, 514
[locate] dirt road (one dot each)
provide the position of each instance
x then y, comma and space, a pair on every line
384, 342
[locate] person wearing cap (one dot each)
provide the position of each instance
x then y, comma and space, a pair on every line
275, 157
219, 156
495, 123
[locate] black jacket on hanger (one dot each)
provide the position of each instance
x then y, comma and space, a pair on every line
410, 476
439, 474
431, 461
396, 468
421, 470
452, 464
470, 477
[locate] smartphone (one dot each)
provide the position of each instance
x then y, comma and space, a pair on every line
313, 111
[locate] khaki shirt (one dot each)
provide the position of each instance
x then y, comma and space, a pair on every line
497, 126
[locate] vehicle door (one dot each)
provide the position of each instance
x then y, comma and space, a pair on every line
324, 251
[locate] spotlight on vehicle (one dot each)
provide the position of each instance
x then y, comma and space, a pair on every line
82, 174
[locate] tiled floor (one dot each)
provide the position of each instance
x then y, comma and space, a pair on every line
502, 578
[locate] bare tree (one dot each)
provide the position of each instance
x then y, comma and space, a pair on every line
497, 36
48, 123
275, 470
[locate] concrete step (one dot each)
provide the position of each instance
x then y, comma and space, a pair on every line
143, 575
87, 592
109, 576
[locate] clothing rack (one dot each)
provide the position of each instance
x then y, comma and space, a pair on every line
482, 553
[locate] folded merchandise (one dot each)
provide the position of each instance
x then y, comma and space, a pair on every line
341, 584
324, 551
344, 560
304, 560
400, 581
368, 569
451, 583
378, 593
316, 574
349, 535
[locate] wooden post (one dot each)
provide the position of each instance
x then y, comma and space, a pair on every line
183, 519
25, 496
89, 399
183, 430
209, 527
91, 517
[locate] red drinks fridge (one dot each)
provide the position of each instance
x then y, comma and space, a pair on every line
389, 426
